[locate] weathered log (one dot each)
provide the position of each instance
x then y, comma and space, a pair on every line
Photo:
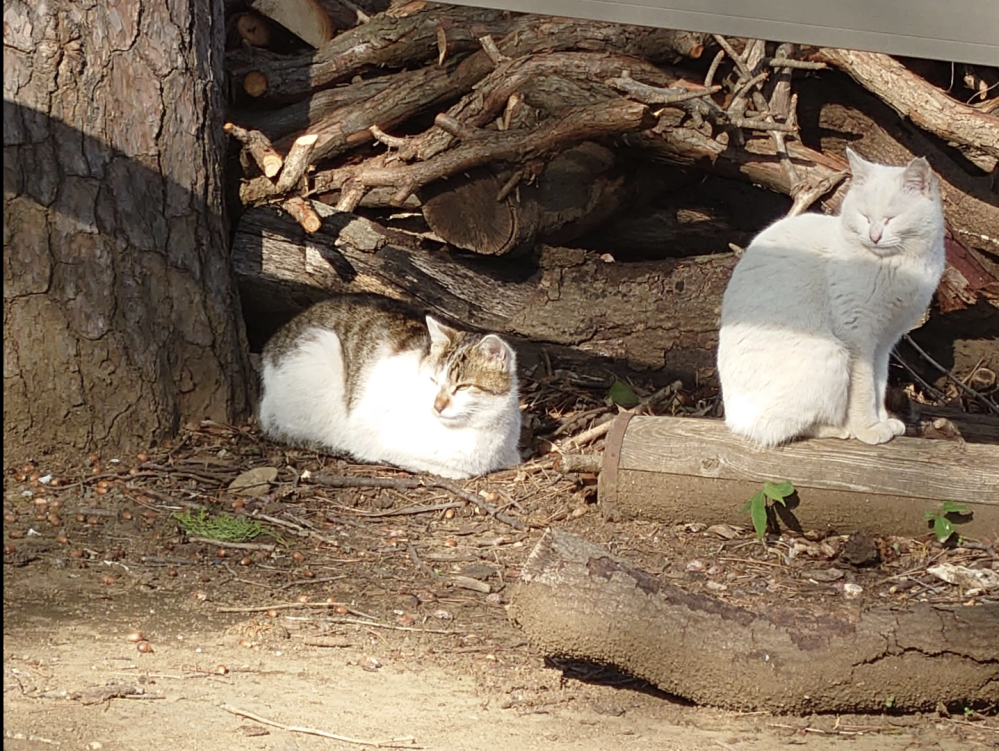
393, 41
924, 104
494, 213
577, 601
658, 315
671, 469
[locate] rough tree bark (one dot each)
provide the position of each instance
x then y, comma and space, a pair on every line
120, 311
579, 602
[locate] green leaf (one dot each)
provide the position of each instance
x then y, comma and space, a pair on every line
952, 507
758, 513
930, 516
778, 491
942, 528
623, 395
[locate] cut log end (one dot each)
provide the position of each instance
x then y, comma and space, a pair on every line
253, 29
255, 83
306, 19
272, 164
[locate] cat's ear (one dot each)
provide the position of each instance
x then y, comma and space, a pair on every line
859, 167
918, 176
496, 349
439, 332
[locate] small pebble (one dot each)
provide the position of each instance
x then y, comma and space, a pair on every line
852, 591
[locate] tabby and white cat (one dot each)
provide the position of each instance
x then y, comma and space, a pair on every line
816, 304
371, 378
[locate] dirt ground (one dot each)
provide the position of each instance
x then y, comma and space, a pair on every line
374, 613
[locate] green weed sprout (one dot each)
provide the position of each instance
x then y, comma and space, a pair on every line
943, 527
758, 505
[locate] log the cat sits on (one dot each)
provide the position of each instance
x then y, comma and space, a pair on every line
816, 304
371, 378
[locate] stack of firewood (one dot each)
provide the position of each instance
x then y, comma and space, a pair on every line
388, 134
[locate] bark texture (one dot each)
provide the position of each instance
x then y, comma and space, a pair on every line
579, 602
671, 469
653, 315
120, 311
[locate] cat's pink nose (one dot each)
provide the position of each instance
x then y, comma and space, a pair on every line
877, 230
442, 402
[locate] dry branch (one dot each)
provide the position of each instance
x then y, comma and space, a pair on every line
924, 104
259, 147
387, 41
296, 163
581, 124
303, 213
402, 742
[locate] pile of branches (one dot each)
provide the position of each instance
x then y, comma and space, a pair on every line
502, 131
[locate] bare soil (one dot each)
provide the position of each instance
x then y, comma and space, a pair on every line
352, 614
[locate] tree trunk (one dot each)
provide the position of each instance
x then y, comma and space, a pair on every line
577, 601
120, 311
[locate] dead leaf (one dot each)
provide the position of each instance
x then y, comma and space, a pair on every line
254, 482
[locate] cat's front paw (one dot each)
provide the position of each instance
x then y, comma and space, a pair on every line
880, 432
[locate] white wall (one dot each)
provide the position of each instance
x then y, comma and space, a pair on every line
953, 30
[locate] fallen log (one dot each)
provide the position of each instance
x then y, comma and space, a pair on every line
576, 601
670, 469
656, 315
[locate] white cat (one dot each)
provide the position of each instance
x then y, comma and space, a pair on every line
369, 377
816, 304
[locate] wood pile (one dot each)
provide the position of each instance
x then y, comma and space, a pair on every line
492, 166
